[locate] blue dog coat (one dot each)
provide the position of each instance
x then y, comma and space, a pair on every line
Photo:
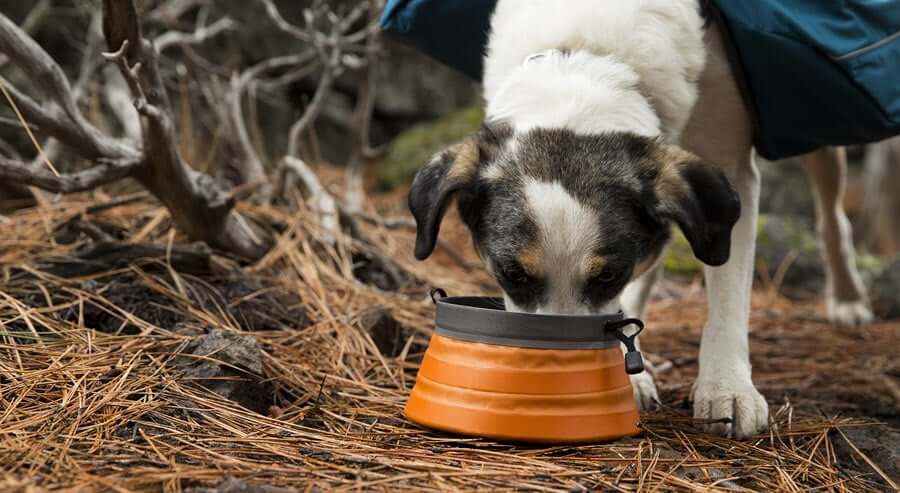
815, 72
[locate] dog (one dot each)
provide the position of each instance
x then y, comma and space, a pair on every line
608, 123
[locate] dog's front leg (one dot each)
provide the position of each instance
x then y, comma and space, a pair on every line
720, 131
723, 392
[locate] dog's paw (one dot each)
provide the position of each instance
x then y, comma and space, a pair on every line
644, 390
717, 400
849, 313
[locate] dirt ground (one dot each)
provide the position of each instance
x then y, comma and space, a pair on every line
135, 361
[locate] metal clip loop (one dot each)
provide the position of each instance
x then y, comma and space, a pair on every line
438, 291
634, 363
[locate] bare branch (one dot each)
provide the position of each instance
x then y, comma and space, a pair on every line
14, 122
175, 38
118, 98
362, 117
38, 65
198, 205
252, 168
297, 173
8, 151
120, 24
106, 171
172, 10
73, 128
36, 16
312, 110
285, 26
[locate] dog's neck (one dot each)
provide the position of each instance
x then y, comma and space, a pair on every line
576, 90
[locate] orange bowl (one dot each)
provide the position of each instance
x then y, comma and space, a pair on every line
505, 391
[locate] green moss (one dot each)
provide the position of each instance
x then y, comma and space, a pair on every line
680, 258
414, 147
869, 264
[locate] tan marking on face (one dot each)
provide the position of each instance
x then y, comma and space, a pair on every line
531, 257
464, 164
595, 265
670, 186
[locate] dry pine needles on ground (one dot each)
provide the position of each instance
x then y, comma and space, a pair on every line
174, 369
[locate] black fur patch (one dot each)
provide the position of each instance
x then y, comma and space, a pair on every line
434, 185
709, 214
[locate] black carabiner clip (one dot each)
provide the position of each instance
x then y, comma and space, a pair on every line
634, 363
438, 291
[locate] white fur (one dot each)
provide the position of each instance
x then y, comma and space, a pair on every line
724, 387
568, 233
530, 96
845, 296
626, 57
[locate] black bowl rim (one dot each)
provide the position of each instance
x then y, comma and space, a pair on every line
474, 319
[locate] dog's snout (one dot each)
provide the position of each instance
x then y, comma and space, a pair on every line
571, 306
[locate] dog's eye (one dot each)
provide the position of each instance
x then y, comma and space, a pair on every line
514, 275
607, 276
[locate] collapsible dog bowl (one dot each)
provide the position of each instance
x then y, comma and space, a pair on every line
525, 377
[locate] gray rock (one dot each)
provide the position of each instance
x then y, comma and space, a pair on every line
885, 292
880, 443
229, 364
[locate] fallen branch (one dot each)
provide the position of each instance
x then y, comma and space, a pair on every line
297, 173
105, 172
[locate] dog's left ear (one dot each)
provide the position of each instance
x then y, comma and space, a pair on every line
699, 197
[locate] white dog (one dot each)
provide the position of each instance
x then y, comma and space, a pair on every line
606, 123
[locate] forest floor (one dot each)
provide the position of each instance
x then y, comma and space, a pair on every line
131, 360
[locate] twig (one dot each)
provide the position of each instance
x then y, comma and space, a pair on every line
285, 26
323, 205
177, 38
106, 171
27, 127
312, 110
252, 168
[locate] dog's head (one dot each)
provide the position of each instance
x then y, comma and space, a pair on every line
565, 221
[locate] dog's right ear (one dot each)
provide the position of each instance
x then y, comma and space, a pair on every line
433, 188
446, 173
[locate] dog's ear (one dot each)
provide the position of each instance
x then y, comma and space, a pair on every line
433, 188
700, 198
447, 173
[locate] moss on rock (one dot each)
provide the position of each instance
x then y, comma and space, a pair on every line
779, 240
414, 147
